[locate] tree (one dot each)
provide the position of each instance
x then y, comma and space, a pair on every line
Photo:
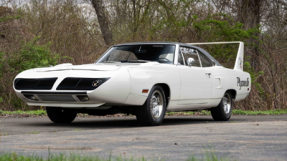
103, 21
249, 15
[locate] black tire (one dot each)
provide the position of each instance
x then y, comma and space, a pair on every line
60, 115
221, 112
152, 114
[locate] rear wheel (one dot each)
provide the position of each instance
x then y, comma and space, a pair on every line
153, 111
223, 111
59, 115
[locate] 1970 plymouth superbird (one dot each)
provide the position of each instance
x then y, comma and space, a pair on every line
145, 79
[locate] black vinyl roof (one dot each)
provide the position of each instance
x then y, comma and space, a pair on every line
173, 43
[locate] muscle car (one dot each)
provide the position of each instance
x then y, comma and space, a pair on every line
145, 79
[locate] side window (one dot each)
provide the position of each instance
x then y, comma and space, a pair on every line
205, 62
180, 59
190, 53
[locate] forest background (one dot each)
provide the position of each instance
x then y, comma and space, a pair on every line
38, 33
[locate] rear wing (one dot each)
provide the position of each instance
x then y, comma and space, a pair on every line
240, 54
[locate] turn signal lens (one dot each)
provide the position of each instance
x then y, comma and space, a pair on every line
31, 97
145, 91
83, 98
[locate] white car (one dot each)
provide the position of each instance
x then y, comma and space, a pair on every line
145, 79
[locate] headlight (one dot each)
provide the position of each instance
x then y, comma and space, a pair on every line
34, 83
81, 83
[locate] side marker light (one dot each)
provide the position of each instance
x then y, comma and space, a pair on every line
145, 91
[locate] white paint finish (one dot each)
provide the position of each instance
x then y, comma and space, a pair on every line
176, 54
228, 80
196, 85
119, 83
240, 97
134, 99
190, 87
115, 90
86, 67
145, 77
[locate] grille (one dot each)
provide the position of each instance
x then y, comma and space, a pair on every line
64, 98
81, 83
34, 84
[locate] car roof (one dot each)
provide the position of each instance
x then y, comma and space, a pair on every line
173, 43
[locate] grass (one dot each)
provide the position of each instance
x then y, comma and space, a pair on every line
203, 112
234, 112
268, 112
34, 132
19, 112
207, 156
4, 134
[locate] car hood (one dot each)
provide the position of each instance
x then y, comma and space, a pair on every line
86, 67
93, 67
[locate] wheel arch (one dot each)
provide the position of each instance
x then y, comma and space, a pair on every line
166, 90
232, 92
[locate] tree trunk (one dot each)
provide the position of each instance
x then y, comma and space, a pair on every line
135, 20
249, 15
103, 21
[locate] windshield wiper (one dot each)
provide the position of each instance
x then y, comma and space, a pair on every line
112, 62
138, 61
131, 61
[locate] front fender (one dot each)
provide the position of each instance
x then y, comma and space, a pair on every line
144, 78
115, 90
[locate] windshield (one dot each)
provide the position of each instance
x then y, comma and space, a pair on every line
140, 54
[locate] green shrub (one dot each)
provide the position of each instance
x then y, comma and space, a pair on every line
224, 30
33, 55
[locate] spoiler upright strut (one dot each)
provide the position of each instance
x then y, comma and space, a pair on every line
240, 54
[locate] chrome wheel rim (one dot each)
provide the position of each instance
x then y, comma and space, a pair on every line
156, 104
226, 103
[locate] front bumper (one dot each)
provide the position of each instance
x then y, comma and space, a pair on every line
114, 91
59, 99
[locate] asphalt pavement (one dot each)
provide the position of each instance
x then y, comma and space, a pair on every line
242, 138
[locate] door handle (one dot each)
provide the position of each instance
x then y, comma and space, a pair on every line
208, 74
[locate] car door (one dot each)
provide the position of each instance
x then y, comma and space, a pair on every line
196, 83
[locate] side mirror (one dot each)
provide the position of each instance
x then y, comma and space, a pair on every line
213, 63
189, 61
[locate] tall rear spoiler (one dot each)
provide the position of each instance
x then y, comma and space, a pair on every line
240, 54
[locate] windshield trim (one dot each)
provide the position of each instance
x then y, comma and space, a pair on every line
107, 52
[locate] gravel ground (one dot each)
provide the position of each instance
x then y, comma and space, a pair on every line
241, 138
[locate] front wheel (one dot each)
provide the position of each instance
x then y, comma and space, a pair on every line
223, 111
59, 115
153, 111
